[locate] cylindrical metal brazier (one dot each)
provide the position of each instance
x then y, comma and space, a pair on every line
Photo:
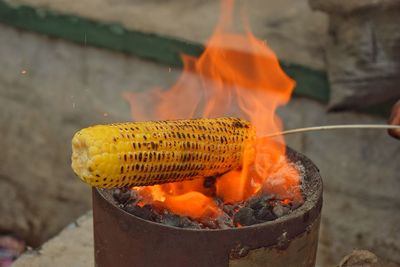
123, 240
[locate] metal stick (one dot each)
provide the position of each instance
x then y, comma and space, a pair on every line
335, 127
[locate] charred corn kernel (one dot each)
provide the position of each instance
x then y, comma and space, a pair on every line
147, 153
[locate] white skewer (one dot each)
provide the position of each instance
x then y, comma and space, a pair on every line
334, 127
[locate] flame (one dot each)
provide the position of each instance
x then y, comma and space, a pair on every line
237, 75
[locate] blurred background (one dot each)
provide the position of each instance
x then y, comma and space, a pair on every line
65, 64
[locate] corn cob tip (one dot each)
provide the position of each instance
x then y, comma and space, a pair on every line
91, 152
80, 156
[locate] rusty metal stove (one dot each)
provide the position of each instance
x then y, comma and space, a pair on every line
122, 239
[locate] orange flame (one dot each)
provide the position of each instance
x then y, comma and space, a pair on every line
237, 75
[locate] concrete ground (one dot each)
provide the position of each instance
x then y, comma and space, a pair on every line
72, 247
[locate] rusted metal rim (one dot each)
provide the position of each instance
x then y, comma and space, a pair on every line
120, 233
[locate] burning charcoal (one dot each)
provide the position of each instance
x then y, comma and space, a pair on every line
279, 210
209, 182
265, 214
244, 217
258, 209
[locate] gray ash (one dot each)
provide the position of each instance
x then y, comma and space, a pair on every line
258, 209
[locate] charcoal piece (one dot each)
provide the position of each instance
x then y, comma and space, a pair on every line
171, 220
256, 203
229, 209
259, 202
209, 223
209, 182
279, 210
122, 195
224, 221
265, 214
146, 212
245, 216
188, 223
178, 221
219, 201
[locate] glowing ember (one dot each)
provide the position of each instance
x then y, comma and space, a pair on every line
237, 75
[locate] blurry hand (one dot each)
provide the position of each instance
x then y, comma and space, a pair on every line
395, 120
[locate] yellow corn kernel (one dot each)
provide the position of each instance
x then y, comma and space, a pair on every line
156, 152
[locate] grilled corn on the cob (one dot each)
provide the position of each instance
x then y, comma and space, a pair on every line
147, 153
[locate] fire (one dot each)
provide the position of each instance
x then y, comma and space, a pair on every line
237, 75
